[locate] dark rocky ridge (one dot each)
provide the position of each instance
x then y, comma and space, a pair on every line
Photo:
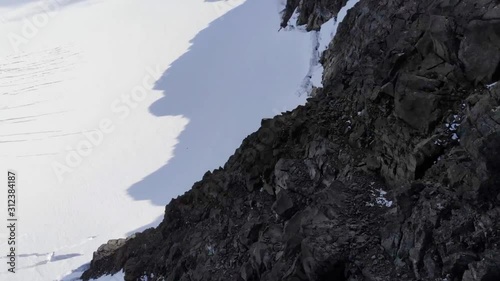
312, 14
404, 109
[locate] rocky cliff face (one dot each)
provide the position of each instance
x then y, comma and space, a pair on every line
391, 172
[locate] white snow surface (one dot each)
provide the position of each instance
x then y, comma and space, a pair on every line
110, 108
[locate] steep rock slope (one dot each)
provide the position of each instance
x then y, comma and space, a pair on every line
391, 172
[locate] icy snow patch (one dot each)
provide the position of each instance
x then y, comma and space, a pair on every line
453, 127
381, 200
320, 40
324, 37
120, 276
292, 22
491, 85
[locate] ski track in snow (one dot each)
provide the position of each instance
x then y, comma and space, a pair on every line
226, 63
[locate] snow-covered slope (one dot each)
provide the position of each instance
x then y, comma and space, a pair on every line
109, 108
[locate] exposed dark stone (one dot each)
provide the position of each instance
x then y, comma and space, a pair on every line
283, 204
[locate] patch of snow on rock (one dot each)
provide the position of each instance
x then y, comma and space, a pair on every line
491, 85
321, 40
324, 37
381, 200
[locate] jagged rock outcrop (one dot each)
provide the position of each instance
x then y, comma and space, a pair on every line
391, 172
